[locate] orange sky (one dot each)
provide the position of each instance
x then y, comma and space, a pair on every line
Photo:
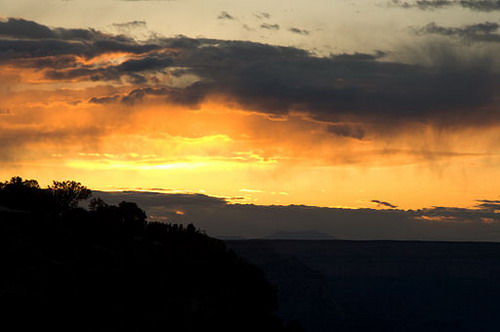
223, 150
116, 113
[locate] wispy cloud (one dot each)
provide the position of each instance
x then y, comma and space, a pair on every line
476, 5
225, 16
130, 25
489, 205
299, 31
270, 26
385, 204
481, 32
262, 15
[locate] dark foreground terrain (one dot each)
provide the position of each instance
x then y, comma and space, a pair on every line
106, 269
82, 273
334, 285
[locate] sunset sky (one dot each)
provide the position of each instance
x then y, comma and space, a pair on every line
329, 103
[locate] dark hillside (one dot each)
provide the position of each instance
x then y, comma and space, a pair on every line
68, 269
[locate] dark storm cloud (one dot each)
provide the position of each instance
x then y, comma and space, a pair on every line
52, 62
92, 74
21, 38
22, 49
16, 49
148, 63
219, 218
275, 80
19, 28
476, 5
270, 26
382, 203
133, 97
481, 32
299, 31
25, 29
111, 45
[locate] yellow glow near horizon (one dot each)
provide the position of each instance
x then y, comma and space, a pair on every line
226, 151
408, 186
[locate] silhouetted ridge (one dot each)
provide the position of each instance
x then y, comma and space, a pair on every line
66, 268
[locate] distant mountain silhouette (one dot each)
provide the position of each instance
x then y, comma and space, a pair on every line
299, 235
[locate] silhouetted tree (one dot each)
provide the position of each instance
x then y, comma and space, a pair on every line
97, 204
23, 195
132, 216
130, 212
67, 194
190, 228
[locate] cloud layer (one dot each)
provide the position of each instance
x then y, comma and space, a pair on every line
220, 218
255, 115
270, 79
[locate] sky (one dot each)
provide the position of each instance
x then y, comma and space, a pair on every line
360, 105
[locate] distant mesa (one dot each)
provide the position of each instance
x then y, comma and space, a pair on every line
300, 235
